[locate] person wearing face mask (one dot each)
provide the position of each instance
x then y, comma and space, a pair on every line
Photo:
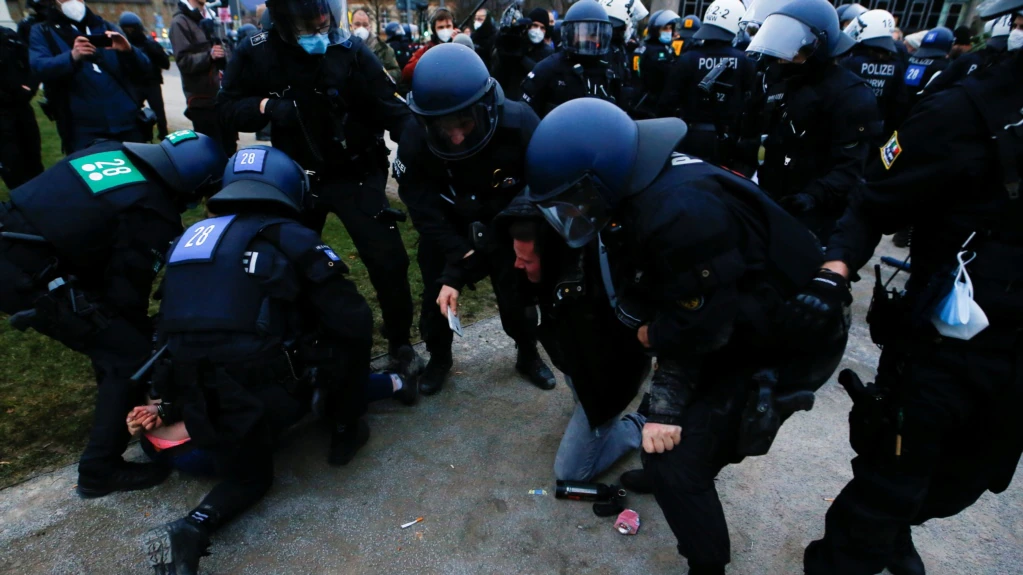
456, 171
519, 48
1006, 36
329, 102
88, 87
442, 28
940, 426
383, 52
200, 57
580, 68
825, 121
484, 36
656, 56
150, 87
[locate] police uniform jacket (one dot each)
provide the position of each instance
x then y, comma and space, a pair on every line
965, 65
561, 77
344, 103
655, 62
721, 108
445, 197
919, 73
886, 77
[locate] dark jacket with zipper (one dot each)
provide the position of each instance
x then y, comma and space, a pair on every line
200, 77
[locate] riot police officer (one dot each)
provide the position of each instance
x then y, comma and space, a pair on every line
20, 144
825, 122
399, 42
656, 56
931, 59
580, 67
994, 51
519, 47
875, 59
622, 14
274, 301
710, 84
697, 262
848, 12
329, 101
80, 246
940, 426
456, 173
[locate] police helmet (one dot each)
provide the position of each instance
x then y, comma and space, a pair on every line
296, 19
246, 31
464, 40
847, 12
990, 9
130, 19
37, 6
188, 162
261, 176
756, 13
266, 21
873, 28
393, 29
617, 12
937, 43
663, 18
721, 21
801, 31
586, 29
688, 26
454, 98
587, 156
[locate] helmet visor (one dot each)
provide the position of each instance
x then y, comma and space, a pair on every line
785, 38
464, 132
298, 18
577, 212
586, 38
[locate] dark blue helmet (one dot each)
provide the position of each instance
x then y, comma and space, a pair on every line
456, 100
129, 19
688, 26
408, 30
191, 164
261, 176
587, 156
802, 30
937, 43
586, 29
394, 29
245, 32
266, 21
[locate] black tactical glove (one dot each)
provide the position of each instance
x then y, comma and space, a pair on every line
282, 111
798, 203
818, 304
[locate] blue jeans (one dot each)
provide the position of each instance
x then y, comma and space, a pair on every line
585, 453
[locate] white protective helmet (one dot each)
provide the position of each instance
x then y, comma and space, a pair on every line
873, 28
624, 12
756, 13
1000, 26
721, 20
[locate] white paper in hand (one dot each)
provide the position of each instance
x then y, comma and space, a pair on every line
454, 323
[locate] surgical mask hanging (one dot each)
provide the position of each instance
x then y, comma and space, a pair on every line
1015, 41
361, 33
535, 35
314, 44
73, 9
665, 37
444, 35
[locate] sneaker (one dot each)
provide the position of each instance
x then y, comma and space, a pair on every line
345, 441
175, 548
405, 360
124, 476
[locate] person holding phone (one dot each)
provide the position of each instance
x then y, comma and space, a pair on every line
87, 66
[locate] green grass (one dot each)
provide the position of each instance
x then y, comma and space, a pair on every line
47, 392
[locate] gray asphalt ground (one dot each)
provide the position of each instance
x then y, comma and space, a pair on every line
465, 460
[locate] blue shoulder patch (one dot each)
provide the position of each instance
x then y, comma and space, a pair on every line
199, 242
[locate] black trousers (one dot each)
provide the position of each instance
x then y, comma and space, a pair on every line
20, 145
206, 121
357, 202
961, 435
152, 94
518, 320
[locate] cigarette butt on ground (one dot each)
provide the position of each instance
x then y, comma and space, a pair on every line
829, 499
411, 523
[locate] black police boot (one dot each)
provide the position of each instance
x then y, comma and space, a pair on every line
697, 569
903, 238
536, 371
405, 360
636, 481
345, 441
123, 476
175, 548
435, 373
905, 560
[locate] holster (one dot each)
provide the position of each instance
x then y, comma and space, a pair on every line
887, 313
872, 415
765, 411
64, 314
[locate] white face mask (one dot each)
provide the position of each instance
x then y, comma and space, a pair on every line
73, 9
361, 33
535, 35
445, 35
1015, 40
476, 25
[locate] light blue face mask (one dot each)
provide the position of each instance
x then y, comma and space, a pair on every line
314, 43
665, 37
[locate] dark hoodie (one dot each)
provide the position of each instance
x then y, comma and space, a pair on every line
484, 38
